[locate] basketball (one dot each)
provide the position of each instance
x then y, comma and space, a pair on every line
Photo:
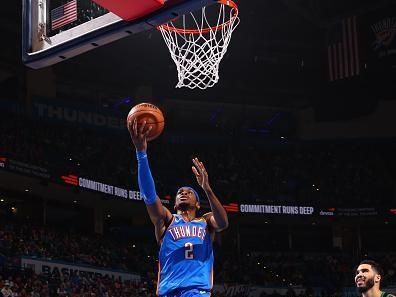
151, 114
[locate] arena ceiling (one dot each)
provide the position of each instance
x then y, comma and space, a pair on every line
276, 57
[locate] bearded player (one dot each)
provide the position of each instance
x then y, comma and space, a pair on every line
186, 252
368, 279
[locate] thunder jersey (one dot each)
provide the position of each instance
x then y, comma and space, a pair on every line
186, 256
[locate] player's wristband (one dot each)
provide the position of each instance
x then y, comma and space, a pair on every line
145, 179
141, 155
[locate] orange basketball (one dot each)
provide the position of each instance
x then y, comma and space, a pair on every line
151, 114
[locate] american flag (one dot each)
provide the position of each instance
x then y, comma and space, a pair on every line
342, 50
64, 14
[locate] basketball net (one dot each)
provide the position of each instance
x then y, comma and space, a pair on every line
197, 52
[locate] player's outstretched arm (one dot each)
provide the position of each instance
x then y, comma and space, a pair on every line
159, 214
218, 218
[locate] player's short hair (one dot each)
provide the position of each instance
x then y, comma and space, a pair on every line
375, 265
192, 189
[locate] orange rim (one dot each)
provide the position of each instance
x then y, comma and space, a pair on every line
229, 3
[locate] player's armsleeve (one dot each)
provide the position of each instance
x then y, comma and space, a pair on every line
145, 179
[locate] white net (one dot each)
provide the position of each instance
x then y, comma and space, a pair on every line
197, 52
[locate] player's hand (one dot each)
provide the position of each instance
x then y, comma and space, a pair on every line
200, 174
139, 135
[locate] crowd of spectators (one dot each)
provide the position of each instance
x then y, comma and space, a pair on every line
241, 168
341, 173
21, 283
330, 271
69, 246
88, 250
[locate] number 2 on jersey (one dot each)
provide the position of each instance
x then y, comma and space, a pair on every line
188, 250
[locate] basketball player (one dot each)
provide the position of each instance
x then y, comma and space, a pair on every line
186, 254
368, 279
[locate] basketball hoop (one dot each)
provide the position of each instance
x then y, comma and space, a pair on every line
197, 52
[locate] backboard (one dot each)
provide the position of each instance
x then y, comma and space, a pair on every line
56, 30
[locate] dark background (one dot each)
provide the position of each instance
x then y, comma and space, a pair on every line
274, 110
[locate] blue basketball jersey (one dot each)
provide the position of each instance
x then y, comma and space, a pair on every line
185, 256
